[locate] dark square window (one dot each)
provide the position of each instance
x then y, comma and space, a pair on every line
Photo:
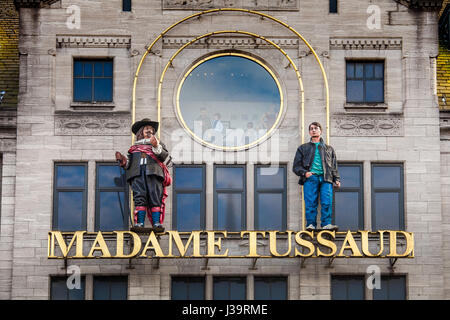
189, 197
110, 288
270, 198
365, 81
229, 288
392, 288
111, 201
188, 288
93, 80
347, 287
348, 199
70, 196
126, 5
229, 197
59, 290
333, 6
387, 197
270, 288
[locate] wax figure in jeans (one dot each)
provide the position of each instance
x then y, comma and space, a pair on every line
316, 165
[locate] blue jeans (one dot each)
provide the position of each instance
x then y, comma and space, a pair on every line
312, 188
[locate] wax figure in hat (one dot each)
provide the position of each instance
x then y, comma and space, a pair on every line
147, 174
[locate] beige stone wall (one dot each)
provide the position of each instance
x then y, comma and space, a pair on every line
407, 40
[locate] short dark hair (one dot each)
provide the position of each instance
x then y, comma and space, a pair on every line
315, 124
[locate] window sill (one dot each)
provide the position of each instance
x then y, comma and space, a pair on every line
378, 107
94, 106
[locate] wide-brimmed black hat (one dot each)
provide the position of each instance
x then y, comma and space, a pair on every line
144, 122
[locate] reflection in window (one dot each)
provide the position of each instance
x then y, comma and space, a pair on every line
92, 80
229, 198
110, 288
229, 288
387, 197
189, 198
391, 288
229, 100
69, 197
348, 203
60, 291
270, 288
365, 82
347, 287
188, 288
112, 209
270, 198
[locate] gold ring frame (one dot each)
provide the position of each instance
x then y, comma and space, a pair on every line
262, 15
268, 133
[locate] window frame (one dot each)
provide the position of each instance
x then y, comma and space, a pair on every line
401, 191
188, 279
333, 2
127, 4
61, 277
364, 62
360, 277
99, 189
258, 191
92, 60
109, 277
230, 278
360, 191
271, 279
389, 277
57, 189
230, 191
202, 192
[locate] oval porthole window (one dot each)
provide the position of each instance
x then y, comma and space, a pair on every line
229, 101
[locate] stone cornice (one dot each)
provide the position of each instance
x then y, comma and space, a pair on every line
198, 5
93, 41
348, 43
230, 41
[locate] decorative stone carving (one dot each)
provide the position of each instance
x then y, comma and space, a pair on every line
365, 44
367, 125
276, 5
92, 41
226, 42
94, 124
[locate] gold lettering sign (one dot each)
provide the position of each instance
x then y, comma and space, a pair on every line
276, 244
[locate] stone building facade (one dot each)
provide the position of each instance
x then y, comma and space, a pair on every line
55, 127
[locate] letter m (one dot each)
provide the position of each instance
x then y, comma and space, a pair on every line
77, 236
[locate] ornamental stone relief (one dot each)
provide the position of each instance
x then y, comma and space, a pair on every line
276, 5
367, 125
92, 124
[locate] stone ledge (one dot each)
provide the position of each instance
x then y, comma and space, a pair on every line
93, 41
347, 43
199, 5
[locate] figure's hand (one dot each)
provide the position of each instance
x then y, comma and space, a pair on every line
308, 174
154, 141
337, 184
121, 158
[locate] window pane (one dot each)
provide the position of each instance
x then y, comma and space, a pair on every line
379, 70
270, 211
70, 176
103, 89
374, 91
347, 288
270, 288
392, 288
387, 177
82, 89
112, 211
60, 291
333, 6
107, 69
368, 70
229, 211
192, 288
350, 70
269, 178
126, 5
110, 288
230, 178
70, 211
109, 176
189, 178
350, 176
359, 70
355, 91
87, 69
229, 289
78, 69
98, 69
347, 210
387, 211
189, 211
